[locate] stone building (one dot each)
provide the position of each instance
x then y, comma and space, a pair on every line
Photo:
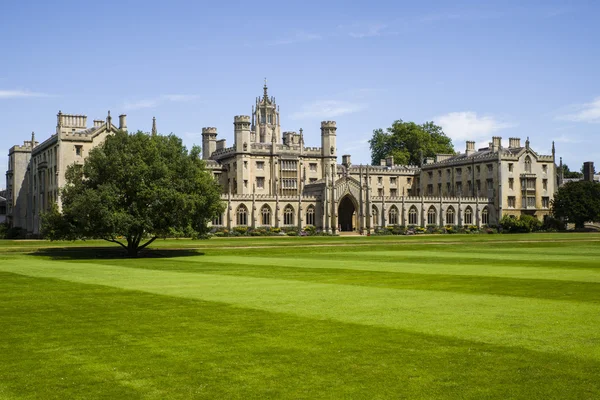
271, 178
36, 170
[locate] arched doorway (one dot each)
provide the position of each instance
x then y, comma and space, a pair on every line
346, 215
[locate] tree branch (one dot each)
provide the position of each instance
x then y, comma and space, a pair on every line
116, 241
147, 243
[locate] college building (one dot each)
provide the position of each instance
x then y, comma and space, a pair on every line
271, 178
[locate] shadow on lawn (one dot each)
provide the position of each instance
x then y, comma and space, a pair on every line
92, 253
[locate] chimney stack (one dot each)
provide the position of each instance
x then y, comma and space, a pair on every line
470, 148
514, 143
123, 122
588, 171
346, 160
496, 143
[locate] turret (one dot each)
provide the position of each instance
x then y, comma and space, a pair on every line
328, 133
123, 122
241, 125
209, 142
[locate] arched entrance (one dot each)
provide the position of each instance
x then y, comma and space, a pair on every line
346, 215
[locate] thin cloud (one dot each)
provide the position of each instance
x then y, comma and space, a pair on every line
327, 109
297, 37
566, 139
366, 30
586, 112
156, 101
467, 125
15, 94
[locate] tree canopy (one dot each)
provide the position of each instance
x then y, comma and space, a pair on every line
407, 141
567, 173
134, 188
577, 202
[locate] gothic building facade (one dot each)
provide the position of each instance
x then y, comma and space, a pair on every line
271, 178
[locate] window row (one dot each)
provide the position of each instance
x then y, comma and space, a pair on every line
266, 216
432, 216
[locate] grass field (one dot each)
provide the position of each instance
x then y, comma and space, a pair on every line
452, 316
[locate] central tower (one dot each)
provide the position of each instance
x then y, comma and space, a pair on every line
265, 119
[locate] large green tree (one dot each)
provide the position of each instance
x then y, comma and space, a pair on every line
133, 189
577, 202
407, 142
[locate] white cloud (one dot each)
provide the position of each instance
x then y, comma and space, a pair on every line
566, 139
327, 109
297, 37
14, 94
156, 101
586, 112
467, 125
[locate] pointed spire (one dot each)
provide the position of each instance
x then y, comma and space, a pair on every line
553, 149
154, 126
265, 96
527, 143
108, 120
32, 140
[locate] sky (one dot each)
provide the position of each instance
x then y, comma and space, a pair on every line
508, 68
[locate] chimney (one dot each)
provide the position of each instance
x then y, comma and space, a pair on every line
346, 160
382, 162
98, 122
514, 143
123, 122
588, 171
470, 148
389, 161
496, 143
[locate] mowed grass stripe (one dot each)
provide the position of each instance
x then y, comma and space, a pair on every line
534, 288
536, 324
142, 345
363, 263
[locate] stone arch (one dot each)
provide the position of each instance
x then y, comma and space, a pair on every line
413, 216
450, 216
468, 216
485, 216
393, 216
266, 215
288, 215
310, 215
347, 213
376, 220
432, 216
241, 215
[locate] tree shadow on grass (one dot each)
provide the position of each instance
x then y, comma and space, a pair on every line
94, 253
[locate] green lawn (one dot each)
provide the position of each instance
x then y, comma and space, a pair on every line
452, 316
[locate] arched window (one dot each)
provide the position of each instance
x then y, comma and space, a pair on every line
432, 216
218, 220
310, 215
450, 216
242, 215
528, 164
375, 213
468, 217
412, 215
393, 216
485, 217
265, 215
288, 215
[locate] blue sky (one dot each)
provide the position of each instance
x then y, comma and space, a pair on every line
512, 68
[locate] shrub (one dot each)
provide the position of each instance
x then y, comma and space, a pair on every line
241, 230
552, 224
524, 224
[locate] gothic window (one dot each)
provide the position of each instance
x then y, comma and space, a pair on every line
288, 215
485, 217
468, 216
432, 216
528, 164
242, 215
393, 216
375, 216
412, 215
310, 215
450, 216
265, 213
218, 220
260, 182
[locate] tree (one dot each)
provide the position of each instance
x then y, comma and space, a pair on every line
577, 202
567, 173
407, 142
134, 188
